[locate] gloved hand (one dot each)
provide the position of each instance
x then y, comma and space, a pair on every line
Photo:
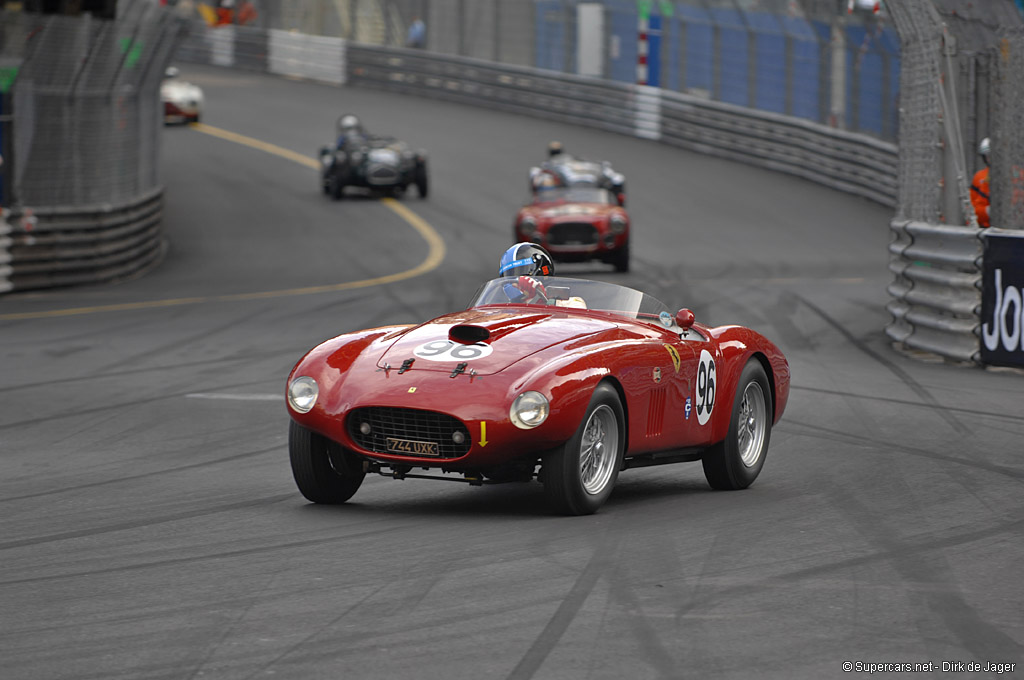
533, 290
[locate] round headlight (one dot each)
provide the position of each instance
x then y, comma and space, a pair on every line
529, 410
617, 224
302, 394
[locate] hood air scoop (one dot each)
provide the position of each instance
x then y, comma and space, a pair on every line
468, 335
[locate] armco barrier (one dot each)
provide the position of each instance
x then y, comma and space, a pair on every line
5, 252
51, 247
936, 289
853, 163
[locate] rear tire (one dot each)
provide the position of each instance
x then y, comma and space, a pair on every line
323, 471
736, 462
420, 178
579, 476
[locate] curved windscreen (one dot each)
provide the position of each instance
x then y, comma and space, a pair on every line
575, 194
585, 294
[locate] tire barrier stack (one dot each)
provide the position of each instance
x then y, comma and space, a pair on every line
936, 289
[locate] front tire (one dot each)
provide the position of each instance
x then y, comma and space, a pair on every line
323, 471
621, 259
736, 462
337, 187
579, 476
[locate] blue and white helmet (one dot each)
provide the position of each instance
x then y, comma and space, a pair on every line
526, 259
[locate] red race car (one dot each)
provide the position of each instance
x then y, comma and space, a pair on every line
565, 380
576, 223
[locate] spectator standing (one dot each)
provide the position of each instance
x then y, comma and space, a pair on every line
417, 36
980, 188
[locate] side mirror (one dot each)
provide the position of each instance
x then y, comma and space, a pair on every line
622, 199
684, 319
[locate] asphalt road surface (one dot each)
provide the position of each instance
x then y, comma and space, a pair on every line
152, 530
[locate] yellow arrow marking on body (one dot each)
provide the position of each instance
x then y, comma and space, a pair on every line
483, 433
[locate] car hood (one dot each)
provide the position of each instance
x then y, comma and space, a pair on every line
180, 90
487, 340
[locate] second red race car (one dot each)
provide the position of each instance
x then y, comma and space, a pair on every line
576, 224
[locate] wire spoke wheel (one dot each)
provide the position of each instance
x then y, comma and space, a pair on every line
752, 424
579, 476
598, 449
736, 461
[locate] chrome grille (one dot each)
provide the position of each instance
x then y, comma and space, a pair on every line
382, 174
572, 234
407, 424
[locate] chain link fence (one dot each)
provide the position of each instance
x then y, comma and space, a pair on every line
80, 124
963, 80
808, 59
82, 104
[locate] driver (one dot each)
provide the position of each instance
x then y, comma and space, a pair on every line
526, 261
349, 130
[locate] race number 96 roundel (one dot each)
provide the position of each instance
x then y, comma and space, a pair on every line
446, 350
706, 384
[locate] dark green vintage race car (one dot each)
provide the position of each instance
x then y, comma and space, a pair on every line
372, 162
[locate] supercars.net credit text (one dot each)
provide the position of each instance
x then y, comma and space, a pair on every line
929, 667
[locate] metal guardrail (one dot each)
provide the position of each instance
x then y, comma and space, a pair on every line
5, 253
936, 290
63, 246
850, 162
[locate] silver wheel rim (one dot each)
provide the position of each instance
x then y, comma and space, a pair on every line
599, 449
752, 425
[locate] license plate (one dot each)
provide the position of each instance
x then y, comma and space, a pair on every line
410, 447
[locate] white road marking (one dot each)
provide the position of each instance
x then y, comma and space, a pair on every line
235, 397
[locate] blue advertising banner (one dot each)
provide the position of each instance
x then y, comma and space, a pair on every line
1002, 299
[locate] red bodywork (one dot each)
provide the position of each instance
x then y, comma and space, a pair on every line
561, 353
173, 113
574, 232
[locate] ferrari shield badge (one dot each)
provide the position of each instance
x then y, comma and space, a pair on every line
672, 352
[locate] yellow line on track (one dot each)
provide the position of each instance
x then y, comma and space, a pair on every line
435, 254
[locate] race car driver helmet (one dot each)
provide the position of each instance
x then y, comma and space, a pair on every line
985, 148
526, 259
349, 123
554, 149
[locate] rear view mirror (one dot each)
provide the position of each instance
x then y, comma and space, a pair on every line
684, 319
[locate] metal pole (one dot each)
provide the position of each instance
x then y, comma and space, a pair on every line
497, 32
837, 103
